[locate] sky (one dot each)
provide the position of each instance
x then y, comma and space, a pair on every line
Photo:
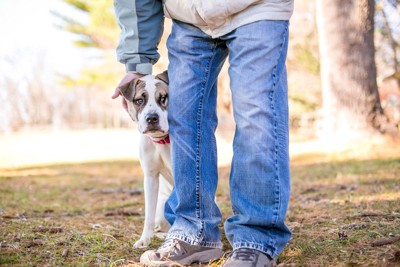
30, 38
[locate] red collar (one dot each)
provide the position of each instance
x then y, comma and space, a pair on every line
163, 141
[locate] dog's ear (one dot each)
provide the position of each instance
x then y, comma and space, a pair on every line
128, 89
163, 77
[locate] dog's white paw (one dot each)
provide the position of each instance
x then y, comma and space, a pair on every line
143, 242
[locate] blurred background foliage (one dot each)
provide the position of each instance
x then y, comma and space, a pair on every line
84, 98
98, 32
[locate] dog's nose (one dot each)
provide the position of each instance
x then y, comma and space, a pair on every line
152, 118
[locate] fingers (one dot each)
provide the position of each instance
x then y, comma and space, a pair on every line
116, 93
125, 80
128, 78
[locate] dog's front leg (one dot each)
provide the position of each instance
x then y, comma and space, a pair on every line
151, 184
164, 192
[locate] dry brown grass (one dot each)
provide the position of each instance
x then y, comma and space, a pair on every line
91, 214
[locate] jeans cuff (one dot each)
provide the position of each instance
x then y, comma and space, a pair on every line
190, 241
255, 246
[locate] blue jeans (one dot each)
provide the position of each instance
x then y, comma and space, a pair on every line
260, 176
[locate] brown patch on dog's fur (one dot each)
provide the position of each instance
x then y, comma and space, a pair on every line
140, 93
132, 92
162, 91
163, 76
128, 90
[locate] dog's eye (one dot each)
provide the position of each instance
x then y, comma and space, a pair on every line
138, 101
163, 99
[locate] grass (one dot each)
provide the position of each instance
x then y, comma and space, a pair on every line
359, 199
91, 214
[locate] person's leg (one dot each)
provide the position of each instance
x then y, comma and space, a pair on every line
195, 60
260, 176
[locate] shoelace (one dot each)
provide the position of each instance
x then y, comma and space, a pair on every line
168, 243
244, 254
173, 247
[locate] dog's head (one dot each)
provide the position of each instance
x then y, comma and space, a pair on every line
147, 100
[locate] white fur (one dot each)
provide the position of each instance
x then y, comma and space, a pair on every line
151, 107
156, 164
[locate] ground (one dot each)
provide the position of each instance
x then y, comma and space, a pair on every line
344, 210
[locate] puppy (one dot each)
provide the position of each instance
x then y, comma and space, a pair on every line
147, 100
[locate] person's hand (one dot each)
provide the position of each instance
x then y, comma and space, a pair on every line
127, 79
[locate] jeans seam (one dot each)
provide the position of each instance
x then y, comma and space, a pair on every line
276, 148
198, 145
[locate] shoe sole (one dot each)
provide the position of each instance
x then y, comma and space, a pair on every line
200, 257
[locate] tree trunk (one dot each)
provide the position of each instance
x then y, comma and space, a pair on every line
350, 96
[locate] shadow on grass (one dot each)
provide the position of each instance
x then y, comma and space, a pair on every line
337, 210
